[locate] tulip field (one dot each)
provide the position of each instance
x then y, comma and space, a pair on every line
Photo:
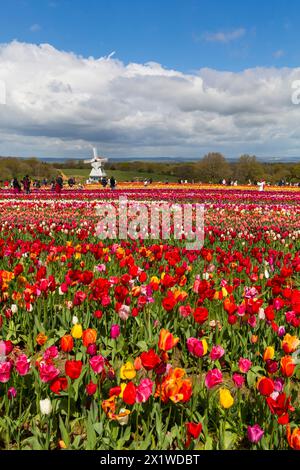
140, 344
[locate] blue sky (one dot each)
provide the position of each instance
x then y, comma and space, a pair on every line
180, 34
186, 77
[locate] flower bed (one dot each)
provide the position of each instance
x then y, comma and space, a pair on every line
143, 344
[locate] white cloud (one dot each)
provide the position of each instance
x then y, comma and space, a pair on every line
278, 54
35, 27
225, 36
58, 103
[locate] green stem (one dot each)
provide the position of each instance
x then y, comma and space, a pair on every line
69, 406
20, 412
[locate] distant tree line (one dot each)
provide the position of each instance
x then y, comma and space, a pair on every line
213, 167
11, 167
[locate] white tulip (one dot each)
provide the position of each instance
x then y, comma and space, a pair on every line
261, 314
123, 417
74, 320
45, 406
14, 308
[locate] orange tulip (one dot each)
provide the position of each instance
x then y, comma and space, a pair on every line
138, 363
293, 438
166, 340
109, 405
89, 336
174, 387
135, 291
62, 444
254, 339
287, 366
66, 343
41, 339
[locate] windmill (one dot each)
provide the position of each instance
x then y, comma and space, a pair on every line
97, 172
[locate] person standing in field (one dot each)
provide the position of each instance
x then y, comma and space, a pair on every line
112, 182
26, 184
16, 185
58, 184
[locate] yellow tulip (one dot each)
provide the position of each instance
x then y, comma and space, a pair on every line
224, 292
123, 386
76, 331
290, 343
226, 399
205, 347
127, 371
269, 353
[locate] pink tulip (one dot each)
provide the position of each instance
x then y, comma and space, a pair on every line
144, 390
213, 377
241, 310
185, 310
238, 379
97, 363
217, 352
123, 312
244, 365
50, 353
195, 347
48, 372
22, 364
115, 331
5, 368
105, 301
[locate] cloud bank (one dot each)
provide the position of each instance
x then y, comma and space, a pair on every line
58, 103
225, 36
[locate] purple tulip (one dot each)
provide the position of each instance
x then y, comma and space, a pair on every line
281, 331
255, 433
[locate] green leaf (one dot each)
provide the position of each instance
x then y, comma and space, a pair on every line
208, 443
229, 440
257, 369
91, 435
142, 345
39, 326
98, 428
251, 378
64, 432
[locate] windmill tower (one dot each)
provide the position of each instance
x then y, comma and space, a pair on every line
97, 172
